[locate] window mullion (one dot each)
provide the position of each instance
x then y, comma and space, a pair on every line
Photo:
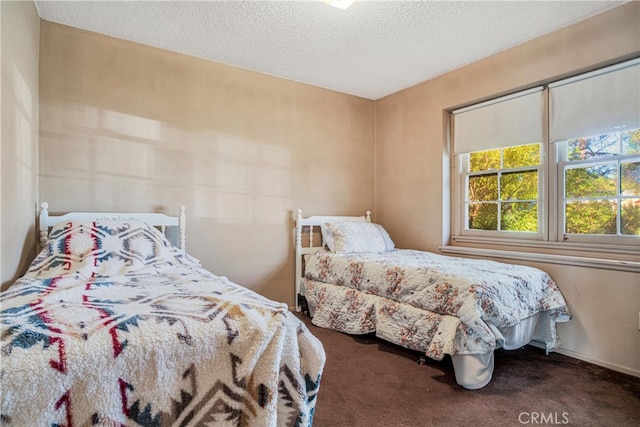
619, 187
499, 200
548, 184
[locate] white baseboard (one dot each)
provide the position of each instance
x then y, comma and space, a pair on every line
579, 356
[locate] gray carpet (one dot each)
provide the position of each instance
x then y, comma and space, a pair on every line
369, 382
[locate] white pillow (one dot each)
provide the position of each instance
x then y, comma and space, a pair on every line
327, 235
349, 237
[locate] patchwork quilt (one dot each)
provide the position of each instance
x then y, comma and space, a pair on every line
429, 302
114, 326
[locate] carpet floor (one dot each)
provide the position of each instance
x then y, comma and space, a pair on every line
369, 382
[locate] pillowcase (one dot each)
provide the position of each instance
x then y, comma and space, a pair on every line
350, 237
327, 235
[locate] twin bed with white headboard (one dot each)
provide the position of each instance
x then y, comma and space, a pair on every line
114, 325
353, 280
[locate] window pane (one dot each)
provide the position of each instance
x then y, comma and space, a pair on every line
595, 146
483, 216
631, 142
483, 188
630, 221
630, 179
594, 181
519, 186
484, 160
591, 217
520, 216
524, 155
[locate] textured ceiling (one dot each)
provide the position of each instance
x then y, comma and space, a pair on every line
371, 50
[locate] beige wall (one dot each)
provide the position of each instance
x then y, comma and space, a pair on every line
414, 205
19, 50
127, 127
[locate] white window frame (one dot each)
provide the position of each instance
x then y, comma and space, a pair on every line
562, 165
463, 179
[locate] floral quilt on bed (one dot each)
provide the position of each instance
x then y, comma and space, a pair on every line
453, 304
112, 325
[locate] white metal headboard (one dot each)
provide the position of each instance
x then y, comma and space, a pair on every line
161, 220
307, 225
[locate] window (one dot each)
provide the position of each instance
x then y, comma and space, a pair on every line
498, 145
502, 189
556, 163
601, 195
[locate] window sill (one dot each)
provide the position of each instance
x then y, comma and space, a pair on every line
579, 261
612, 250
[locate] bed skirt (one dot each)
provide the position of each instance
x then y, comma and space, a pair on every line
433, 334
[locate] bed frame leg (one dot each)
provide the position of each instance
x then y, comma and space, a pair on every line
304, 307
